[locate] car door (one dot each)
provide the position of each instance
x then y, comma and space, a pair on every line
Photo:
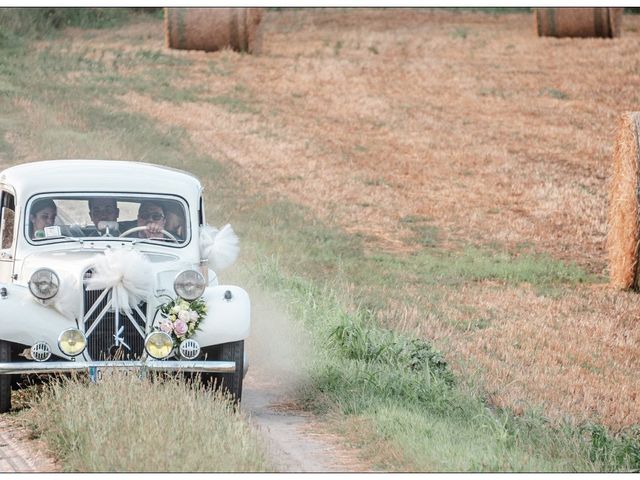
7, 234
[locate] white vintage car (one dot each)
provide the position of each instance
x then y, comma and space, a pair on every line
111, 265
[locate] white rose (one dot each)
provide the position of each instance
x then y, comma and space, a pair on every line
184, 316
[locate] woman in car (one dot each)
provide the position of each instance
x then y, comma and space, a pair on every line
43, 214
174, 220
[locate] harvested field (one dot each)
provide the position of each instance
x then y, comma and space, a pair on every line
467, 121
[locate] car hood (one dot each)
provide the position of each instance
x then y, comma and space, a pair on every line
70, 265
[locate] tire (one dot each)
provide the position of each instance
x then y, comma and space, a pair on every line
228, 382
5, 380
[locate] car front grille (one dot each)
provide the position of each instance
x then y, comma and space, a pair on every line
111, 334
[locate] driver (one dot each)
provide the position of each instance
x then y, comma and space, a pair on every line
151, 215
103, 209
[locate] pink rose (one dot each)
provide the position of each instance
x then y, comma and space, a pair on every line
166, 326
180, 327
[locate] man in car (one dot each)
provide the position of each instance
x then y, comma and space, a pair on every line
151, 215
103, 209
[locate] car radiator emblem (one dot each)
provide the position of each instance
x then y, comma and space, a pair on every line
120, 340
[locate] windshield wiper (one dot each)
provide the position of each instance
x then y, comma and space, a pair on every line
57, 237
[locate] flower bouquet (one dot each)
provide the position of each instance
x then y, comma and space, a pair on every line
180, 318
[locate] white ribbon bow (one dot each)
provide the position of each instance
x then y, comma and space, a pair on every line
220, 247
127, 273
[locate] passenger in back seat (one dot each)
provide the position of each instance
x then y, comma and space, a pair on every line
103, 209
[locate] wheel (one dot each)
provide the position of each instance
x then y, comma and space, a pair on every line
229, 382
5, 380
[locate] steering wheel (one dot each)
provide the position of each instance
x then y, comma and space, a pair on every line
144, 227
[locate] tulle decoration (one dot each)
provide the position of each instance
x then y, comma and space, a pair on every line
66, 301
127, 272
220, 247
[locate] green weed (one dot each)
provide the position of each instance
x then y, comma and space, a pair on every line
460, 32
24, 23
373, 345
337, 47
554, 93
232, 104
624, 449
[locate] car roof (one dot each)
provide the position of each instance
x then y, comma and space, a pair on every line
99, 176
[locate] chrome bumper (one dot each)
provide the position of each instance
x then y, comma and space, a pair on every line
150, 365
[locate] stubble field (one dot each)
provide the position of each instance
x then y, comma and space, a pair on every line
435, 137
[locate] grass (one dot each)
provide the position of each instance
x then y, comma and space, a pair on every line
421, 417
19, 24
128, 424
554, 93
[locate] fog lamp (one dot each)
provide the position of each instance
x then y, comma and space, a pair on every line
189, 284
72, 342
44, 284
158, 345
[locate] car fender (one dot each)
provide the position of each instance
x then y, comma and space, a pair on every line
24, 320
228, 315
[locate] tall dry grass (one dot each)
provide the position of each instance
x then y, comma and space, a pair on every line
128, 424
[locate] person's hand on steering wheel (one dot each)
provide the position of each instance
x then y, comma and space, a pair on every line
153, 230
162, 236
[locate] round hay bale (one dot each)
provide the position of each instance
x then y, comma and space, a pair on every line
623, 237
213, 29
578, 22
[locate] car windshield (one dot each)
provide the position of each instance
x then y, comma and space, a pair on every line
161, 219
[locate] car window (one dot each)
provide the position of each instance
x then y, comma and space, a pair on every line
161, 219
7, 220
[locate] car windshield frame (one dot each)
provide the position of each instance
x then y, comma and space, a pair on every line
120, 196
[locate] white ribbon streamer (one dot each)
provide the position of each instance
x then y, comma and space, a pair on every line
220, 247
127, 273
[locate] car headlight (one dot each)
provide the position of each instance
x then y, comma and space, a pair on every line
159, 345
189, 285
72, 342
44, 284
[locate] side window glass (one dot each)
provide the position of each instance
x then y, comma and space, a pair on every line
201, 212
7, 219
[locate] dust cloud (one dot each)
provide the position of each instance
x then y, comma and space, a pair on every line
278, 349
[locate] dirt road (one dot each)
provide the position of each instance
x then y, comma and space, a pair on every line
19, 453
278, 352
294, 441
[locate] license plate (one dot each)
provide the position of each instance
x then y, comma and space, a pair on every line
94, 374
